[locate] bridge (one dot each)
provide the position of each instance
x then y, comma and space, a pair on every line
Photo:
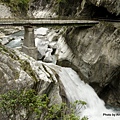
44, 22
28, 46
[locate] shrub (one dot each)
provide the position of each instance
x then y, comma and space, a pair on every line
26, 104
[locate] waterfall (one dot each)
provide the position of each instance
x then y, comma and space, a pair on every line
78, 90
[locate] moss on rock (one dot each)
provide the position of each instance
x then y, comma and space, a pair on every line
27, 68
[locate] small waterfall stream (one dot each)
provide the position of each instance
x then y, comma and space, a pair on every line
78, 90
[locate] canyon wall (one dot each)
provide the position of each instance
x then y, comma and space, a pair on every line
95, 52
96, 58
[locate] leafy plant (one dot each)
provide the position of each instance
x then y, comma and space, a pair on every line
26, 104
23, 103
84, 118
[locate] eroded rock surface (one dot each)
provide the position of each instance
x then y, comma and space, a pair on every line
112, 6
5, 11
95, 55
19, 71
76, 8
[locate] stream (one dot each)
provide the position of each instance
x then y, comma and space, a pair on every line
76, 89
17, 39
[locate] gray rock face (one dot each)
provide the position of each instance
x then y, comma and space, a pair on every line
112, 6
15, 67
5, 11
95, 54
19, 71
76, 8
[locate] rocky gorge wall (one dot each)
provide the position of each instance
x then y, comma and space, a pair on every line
93, 52
18, 71
76, 8
96, 58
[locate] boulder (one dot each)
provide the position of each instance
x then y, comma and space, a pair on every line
19, 71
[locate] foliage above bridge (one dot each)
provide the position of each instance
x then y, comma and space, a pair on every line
18, 7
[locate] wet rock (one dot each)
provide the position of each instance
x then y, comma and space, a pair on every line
53, 36
47, 46
42, 46
48, 57
41, 31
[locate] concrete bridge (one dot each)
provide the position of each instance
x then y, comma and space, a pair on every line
28, 46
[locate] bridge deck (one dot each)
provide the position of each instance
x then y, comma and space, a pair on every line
47, 22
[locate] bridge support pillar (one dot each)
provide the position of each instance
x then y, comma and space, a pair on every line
28, 46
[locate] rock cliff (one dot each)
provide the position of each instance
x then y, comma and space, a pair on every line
95, 55
113, 6
76, 8
18, 71
93, 52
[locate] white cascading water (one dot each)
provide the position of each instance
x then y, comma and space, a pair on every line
78, 90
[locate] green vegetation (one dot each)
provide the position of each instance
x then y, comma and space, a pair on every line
27, 68
58, 1
2, 48
27, 104
7, 51
17, 6
61, 1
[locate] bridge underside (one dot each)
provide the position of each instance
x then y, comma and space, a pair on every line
28, 46
47, 22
